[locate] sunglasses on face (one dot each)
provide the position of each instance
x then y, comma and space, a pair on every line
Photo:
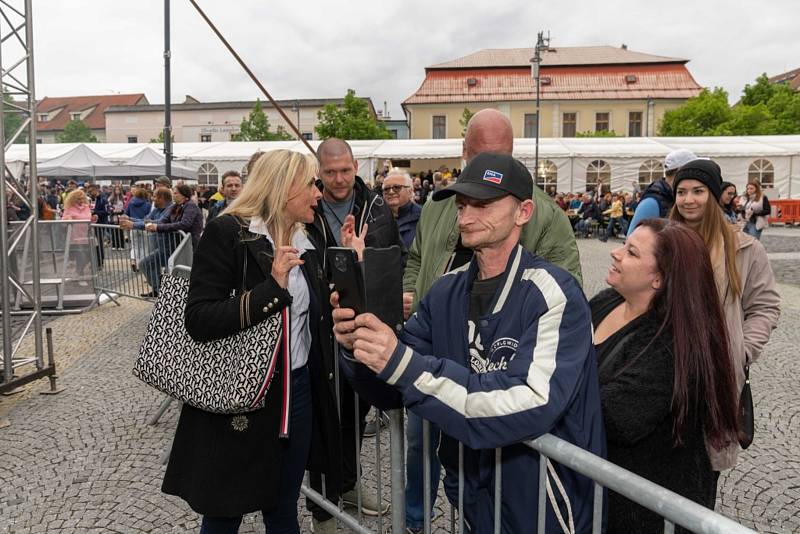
394, 189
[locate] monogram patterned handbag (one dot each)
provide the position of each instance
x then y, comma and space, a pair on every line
226, 376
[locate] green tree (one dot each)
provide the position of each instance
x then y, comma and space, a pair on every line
12, 120
466, 115
764, 109
760, 92
700, 115
256, 127
160, 138
597, 133
76, 132
351, 120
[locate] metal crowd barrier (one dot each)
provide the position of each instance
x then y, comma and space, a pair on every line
675, 509
130, 262
67, 265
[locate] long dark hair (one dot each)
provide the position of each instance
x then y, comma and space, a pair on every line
688, 304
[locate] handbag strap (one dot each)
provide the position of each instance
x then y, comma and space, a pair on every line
244, 271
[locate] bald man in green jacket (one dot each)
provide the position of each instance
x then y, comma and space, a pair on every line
437, 249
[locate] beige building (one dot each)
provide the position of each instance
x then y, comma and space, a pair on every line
194, 121
583, 89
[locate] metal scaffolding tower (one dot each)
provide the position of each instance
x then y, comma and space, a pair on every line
18, 124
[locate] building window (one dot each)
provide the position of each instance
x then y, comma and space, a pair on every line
393, 134
207, 174
75, 116
601, 122
439, 127
529, 125
635, 124
133, 139
547, 175
205, 138
41, 117
308, 136
569, 125
598, 176
650, 171
38, 140
763, 171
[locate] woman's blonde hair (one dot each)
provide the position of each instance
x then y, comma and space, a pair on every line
74, 198
266, 191
712, 227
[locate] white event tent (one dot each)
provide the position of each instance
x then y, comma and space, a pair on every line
79, 161
571, 161
148, 162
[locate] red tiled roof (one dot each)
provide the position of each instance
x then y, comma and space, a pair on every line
566, 83
95, 120
556, 56
791, 78
786, 76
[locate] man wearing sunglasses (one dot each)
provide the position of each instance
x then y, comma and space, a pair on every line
398, 192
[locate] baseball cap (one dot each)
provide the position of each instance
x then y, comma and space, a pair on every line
678, 158
489, 176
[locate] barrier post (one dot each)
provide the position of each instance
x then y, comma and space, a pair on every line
397, 448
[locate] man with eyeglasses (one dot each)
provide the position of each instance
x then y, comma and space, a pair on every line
399, 195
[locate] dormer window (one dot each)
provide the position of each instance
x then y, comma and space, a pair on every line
42, 117
75, 115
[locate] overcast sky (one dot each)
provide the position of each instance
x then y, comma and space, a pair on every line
307, 49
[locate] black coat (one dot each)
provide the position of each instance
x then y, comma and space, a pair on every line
219, 469
637, 412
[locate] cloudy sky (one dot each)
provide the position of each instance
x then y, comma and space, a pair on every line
305, 49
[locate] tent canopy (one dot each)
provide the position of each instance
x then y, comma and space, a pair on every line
148, 162
80, 161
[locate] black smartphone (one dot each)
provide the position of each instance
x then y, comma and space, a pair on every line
348, 280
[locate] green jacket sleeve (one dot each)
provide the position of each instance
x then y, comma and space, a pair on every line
549, 235
558, 245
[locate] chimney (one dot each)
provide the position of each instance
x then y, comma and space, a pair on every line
624, 46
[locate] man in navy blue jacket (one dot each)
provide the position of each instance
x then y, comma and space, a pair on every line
499, 352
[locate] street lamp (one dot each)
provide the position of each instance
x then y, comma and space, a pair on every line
542, 43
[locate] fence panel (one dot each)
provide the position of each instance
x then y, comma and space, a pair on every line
67, 265
131, 262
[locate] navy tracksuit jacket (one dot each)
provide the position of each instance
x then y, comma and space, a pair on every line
538, 338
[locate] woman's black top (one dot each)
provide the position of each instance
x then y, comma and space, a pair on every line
636, 383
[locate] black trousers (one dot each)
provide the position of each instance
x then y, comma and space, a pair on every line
351, 451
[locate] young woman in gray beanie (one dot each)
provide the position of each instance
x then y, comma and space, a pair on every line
742, 273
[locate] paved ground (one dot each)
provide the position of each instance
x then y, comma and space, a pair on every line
85, 460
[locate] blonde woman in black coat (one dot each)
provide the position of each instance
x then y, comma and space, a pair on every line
253, 261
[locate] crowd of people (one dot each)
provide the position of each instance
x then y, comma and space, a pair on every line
127, 213
500, 344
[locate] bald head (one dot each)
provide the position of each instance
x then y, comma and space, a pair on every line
488, 131
332, 148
